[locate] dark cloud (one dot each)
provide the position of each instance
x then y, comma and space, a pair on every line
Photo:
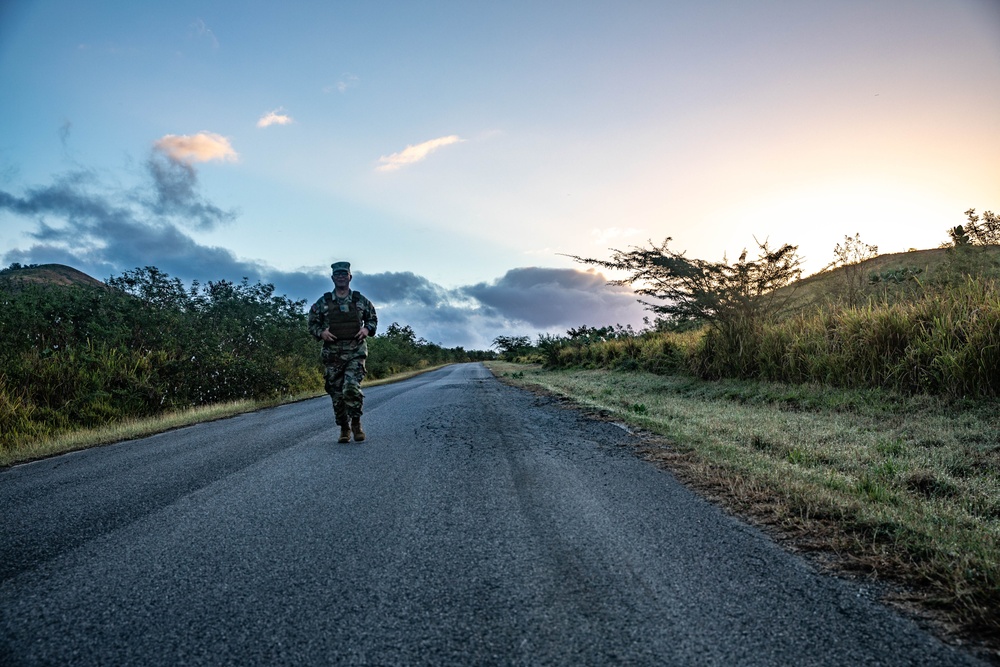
80, 199
64, 131
102, 231
402, 287
525, 301
68, 197
176, 188
105, 231
548, 298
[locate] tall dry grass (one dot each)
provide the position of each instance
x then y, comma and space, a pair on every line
944, 341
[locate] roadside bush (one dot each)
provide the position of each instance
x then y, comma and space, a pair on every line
82, 356
729, 349
659, 352
398, 349
945, 342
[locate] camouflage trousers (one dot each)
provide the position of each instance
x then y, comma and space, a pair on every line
344, 371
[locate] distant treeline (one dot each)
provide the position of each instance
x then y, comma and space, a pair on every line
84, 356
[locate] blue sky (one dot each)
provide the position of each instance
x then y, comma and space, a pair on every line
455, 152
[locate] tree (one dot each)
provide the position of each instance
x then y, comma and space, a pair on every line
512, 346
584, 335
848, 257
17, 266
967, 252
403, 335
983, 230
154, 287
959, 239
689, 290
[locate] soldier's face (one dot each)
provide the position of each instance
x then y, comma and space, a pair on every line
341, 279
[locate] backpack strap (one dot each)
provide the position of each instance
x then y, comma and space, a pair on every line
328, 296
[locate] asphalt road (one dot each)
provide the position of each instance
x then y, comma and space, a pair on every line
478, 525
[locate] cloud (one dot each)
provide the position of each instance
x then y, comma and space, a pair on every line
80, 223
548, 299
610, 234
525, 301
405, 287
64, 131
441, 315
175, 187
202, 147
345, 82
274, 118
175, 181
412, 154
198, 30
103, 229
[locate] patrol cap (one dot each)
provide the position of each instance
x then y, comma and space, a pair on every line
344, 267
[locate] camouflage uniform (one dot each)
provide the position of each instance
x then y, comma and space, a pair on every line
344, 359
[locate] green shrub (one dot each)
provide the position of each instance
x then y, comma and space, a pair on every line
946, 342
83, 356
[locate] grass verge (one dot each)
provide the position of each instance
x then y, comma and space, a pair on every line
905, 490
139, 428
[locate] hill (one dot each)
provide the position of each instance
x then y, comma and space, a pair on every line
47, 274
923, 264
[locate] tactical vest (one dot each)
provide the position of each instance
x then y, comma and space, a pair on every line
344, 324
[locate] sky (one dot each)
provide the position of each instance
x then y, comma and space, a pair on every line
459, 153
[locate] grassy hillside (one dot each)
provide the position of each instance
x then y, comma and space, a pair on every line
47, 274
936, 265
918, 322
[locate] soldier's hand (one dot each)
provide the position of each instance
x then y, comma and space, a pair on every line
327, 336
361, 335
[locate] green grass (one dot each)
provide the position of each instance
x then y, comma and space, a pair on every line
942, 340
130, 429
905, 487
127, 430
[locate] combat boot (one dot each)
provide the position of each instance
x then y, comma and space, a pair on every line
345, 433
359, 435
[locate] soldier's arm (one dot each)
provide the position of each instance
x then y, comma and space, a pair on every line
370, 317
317, 323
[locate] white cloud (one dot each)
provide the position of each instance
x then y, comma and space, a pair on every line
199, 30
274, 118
201, 147
602, 236
346, 81
412, 154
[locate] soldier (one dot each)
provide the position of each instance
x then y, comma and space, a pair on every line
343, 319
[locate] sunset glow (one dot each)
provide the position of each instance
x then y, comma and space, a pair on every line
451, 151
